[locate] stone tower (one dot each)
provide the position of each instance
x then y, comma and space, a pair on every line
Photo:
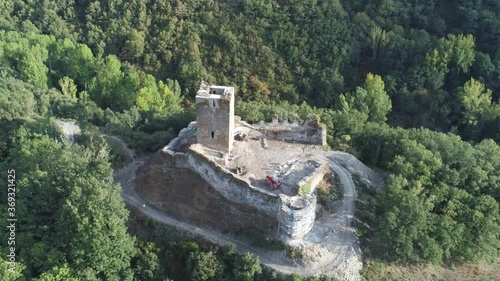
215, 116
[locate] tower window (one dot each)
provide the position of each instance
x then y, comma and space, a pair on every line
213, 103
213, 134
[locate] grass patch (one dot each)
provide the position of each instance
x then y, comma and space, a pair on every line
306, 188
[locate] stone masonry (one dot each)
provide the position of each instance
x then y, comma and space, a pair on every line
207, 147
215, 116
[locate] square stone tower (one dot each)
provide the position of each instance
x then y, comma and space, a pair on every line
215, 116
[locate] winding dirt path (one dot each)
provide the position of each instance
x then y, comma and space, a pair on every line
339, 254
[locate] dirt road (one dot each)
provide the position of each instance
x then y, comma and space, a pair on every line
332, 245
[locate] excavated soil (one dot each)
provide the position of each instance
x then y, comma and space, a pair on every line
186, 196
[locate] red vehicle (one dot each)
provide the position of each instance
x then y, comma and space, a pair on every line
239, 136
272, 182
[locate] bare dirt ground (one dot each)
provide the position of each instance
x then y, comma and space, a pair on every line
186, 196
287, 162
332, 247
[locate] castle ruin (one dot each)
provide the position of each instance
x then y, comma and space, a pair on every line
237, 169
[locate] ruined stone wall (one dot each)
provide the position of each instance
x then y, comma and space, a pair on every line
310, 132
174, 153
231, 186
296, 215
309, 183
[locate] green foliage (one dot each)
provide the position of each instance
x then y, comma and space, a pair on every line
443, 194
329, 193
294, 252
145, 263
371, 100
294, 277
15, 99
377, 40
378, 103
479, 109
68, 87
283, 57
188, 260
456, 51
305, 189
254, 112
63, 212
87, 82
156, 96
406, 221
74, 61
377, 270
32, 66
78, 74
111, 87
134, 45
203, 266
27, 55
7, 275
58, 274
246, 268
315, 52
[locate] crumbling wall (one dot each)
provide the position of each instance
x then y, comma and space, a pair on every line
311, 132
168, 157
296, 215
309, 183
231, 186
174, 153
184, 140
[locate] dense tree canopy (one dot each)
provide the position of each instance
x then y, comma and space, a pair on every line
370, 99
442, 199
311, 51
61, 213
131, 68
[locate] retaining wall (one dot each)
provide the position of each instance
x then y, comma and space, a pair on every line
310, 132
296, 215
312, 180
231, 186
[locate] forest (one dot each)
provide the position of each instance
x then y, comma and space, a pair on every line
410, 87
